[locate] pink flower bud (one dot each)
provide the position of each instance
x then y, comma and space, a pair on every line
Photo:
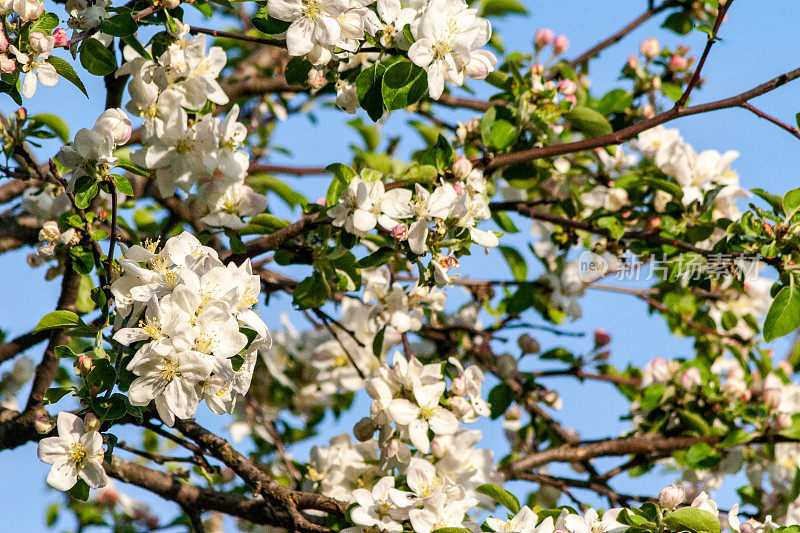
543, 37
459, 187
513, 413
783, 421
43, 424
3, 41
690, 378
7, 65
61, 37
152, 521
772, 398
571, 99
633, 62
400, 232
460, 406
459, 386
650, 48
441, 444
672, 496
22, 114
560, 45
107, 496
567, 87
601, 338
462, 167
678, 63
537, 70
91, 422
84, 364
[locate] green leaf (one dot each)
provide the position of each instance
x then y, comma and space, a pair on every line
46, 23
404, 83
501, 496
120, 25
65, 70
80, 491
783, 316
516, 262
502, 134
58, 319
376, 258
692, 519
612, 224
775, 201
112, 408
368, 89
268, 24
791, 202
123, 185
377, 343
310, 293
263, 183
499, 8
54, 394
500, 399
296, 71
96, 58
58, 126
589, 121
680, 22
342, 174
52, 514
440, 155
614, 101
420, 174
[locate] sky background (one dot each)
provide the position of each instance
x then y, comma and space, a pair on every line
760, 42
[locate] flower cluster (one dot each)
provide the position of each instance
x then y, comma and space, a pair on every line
444, 37
185, 145
439, 476
453, 209
187, 314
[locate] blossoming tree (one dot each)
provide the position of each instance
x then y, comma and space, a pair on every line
157, 224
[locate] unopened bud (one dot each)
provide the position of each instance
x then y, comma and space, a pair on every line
459, 386
746, 527
459, 187
633, 62
690, 378
783, 421
43, 424
560, 44
460, 406
772, 398
567, 87
3, 41
528, 344
91, 422
364, 429
60, 36
672, 496
441, 444
650, 48
678, 63
84, 364
400, 232
462, 167
537, 70
513, 413
543, 37
7, 65
22, 114
49, 232
601, 338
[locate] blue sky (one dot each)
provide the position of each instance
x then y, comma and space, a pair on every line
760, 42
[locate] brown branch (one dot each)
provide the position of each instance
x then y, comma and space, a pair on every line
20, 344
618, 137
281, 169
13, 189
194, 30
274, 241
753, 109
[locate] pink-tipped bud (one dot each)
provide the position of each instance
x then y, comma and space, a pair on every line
543, 37
513, 413
400, 232
678, 63
3, 41
459, 386
84, 364
690, 378
462, 168
7, 65
108, 496
459, 187
60, 37
43, 424
672, 496
601, 338
364, 429
772, 398
537, 70
560, 44
783, 421
567, 87
22, 114
633, 62
91, 422
650, 48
